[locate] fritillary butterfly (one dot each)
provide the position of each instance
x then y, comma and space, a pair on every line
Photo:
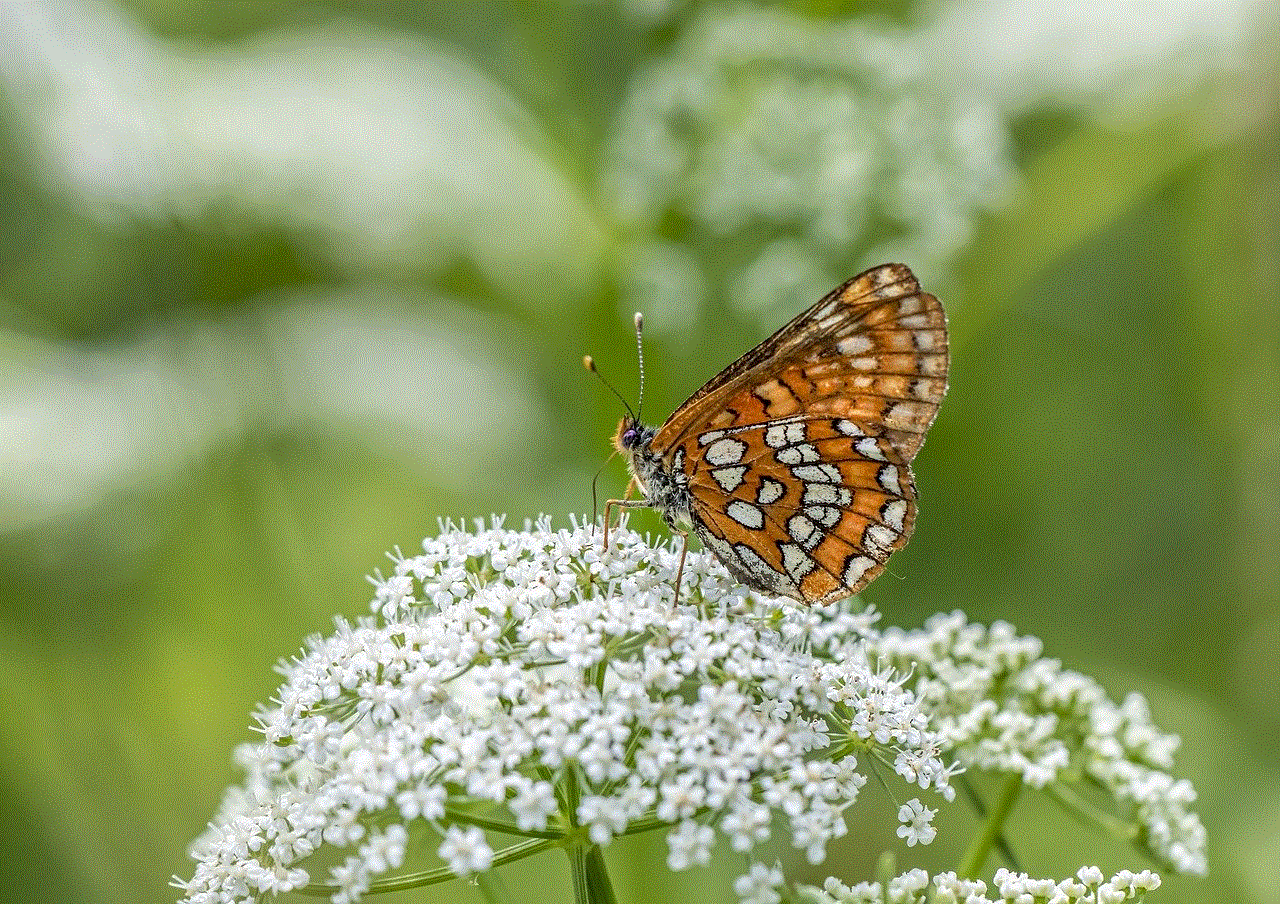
793, 464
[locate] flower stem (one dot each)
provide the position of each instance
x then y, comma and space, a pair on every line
493, 889
435, 876
976, 856
590, 878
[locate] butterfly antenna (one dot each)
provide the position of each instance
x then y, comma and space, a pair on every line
640, 357
590, 364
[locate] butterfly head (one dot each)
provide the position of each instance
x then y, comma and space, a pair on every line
632, 436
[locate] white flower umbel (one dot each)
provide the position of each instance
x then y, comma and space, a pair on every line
1002, 708
519, 690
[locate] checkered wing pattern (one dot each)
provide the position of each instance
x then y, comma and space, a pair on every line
797, 456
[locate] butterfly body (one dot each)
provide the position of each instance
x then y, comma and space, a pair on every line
665, 489
792, 465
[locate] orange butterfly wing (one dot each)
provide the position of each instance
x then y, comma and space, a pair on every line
812, 511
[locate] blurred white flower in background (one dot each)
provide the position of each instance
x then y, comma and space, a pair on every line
396, 152
77, 421
1123, 57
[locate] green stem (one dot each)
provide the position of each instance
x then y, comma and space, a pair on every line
590, 878
493, 889
586, 861
1077, 806
433, 876
460, 816
976, 856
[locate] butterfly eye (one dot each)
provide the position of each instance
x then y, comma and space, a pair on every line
629, 437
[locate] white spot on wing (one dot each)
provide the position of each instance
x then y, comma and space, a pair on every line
729, 478
761, 572
802, 529
726, 451
826, 494
710, 437
848, 428
856, 344
745, 514
888, 477
825, 515
878, 540
856, 567
795, 561
794, 455
901, 412
894, 514
831, 307
823, 473
784, 434
870, 448
775, 436
770, 491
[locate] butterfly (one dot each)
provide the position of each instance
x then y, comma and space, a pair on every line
793, 464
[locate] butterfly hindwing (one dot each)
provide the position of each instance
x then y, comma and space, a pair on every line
808, 507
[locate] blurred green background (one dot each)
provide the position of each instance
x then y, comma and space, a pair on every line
283, 283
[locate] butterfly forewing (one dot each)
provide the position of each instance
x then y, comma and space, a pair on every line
874, 349
796, 457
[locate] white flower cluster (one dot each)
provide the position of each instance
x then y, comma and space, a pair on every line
915, 887
805, 137
529, 683
1001, 707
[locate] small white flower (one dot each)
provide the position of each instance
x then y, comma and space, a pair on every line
909, 885
385, 851
916, 823
759, 885
690, 843
1090, 876
533, 803
423, 799
465, 851
603, 817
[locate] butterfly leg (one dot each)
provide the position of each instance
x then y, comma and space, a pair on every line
624, 503
684, 551
644, 503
